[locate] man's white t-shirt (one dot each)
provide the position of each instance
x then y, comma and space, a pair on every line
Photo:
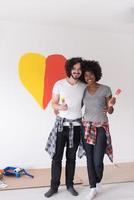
73, 95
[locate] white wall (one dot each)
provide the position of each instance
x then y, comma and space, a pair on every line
24, 127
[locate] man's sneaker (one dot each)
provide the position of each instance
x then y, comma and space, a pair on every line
72, 191
91, 194
50, 192
98, 187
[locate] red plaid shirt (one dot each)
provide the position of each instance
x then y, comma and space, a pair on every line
90, 129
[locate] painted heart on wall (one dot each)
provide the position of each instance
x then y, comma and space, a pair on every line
39, 73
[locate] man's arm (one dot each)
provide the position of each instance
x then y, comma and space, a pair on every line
55, 104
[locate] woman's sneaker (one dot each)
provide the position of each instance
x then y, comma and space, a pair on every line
91, 194
98, 187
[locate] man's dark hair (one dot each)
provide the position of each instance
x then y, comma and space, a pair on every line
70, 63
94, 67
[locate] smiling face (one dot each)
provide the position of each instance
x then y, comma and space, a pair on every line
76, 71
89, 77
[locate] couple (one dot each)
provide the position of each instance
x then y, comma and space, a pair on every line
80, 88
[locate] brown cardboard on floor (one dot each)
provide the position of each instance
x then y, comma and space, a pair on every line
41, 179
123, 172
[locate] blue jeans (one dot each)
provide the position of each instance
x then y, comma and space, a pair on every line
95, 155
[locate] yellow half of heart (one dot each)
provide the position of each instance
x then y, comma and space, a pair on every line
32, 71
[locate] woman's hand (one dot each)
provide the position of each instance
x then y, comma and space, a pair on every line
105, 110
111, 102
110, 105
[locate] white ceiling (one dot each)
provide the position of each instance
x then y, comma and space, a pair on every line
70, 13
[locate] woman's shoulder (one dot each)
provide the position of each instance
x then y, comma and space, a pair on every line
104, 86
106, 90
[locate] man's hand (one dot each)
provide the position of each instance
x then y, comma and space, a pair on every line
63, 107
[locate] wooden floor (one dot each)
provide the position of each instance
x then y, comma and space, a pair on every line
121, 173
124, 172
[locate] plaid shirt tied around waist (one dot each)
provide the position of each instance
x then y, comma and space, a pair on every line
90, 129
58, 127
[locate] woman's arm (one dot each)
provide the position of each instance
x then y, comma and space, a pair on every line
110, 101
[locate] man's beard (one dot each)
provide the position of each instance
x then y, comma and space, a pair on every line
75, 78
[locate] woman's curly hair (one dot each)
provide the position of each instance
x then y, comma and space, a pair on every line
92, 66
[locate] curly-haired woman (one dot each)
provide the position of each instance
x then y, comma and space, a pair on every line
96, 137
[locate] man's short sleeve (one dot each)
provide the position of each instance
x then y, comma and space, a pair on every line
56, 89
